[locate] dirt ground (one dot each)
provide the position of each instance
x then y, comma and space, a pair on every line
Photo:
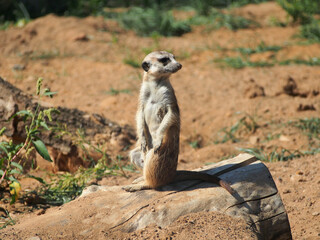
84, 59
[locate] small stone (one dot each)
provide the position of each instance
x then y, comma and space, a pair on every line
41, 211
284, 138
302, 180
19, 67
81, 37
315, 213
299, 172
34, 238
286, 191
254, 140
306, 107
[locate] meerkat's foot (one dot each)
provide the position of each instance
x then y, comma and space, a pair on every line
137, 180
136, 157
135, 187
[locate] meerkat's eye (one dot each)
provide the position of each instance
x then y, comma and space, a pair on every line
164, 60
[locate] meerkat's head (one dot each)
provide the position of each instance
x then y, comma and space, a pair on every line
160, 64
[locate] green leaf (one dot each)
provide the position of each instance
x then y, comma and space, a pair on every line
1, 172
39, 179
44, 125
2, 130
41, 149
3, 147
12, 178
34, 132
17, 165
50, 94
15, 189
14, 171
25, 112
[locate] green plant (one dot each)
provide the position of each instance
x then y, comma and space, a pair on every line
11, 153
311, 31
311, 62
148, 21
67, 186
194, 144
6, 220
277, 154
216, 19
132, 62
262, 47
301, 11
311, 126
239, 62
44, 55
246, 124
113, 91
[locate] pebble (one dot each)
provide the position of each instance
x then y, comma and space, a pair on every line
34, 238
286, 191
18, 67
315, 213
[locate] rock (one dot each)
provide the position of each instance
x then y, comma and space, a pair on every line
306, 107
284, 138
254, 140
108, 209
18, 67
254, 90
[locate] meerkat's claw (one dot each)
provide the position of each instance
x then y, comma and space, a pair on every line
157, 146
135, 188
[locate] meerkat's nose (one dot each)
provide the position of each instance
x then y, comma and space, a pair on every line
179, 66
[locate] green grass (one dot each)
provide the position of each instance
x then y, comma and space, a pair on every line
194, 144
239, 62
216, 19
114, 91
301, 11
148, 21
67, 186
262, 47
310, 126
6, 220
277, 154
311, 62
246, 124
44, 55
311, 31
132, 62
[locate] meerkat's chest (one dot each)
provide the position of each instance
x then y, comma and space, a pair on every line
156, 102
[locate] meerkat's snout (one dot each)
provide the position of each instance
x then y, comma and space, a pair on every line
179, 66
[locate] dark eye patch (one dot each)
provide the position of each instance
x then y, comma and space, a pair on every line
164, 60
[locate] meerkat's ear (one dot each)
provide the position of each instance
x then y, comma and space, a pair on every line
145, 66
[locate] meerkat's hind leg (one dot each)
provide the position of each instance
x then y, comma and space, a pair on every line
136, 157
136, 187
138, 180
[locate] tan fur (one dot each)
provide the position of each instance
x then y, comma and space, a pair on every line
158, 127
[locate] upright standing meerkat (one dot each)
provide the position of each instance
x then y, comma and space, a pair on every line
158, 128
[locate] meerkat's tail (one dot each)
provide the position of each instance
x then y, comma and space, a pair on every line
191, 175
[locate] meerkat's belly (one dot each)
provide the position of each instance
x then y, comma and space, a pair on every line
154, 114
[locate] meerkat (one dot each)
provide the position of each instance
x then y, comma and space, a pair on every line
158, 128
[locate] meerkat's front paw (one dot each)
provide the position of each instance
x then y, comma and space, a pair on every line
157, 145
143, 145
